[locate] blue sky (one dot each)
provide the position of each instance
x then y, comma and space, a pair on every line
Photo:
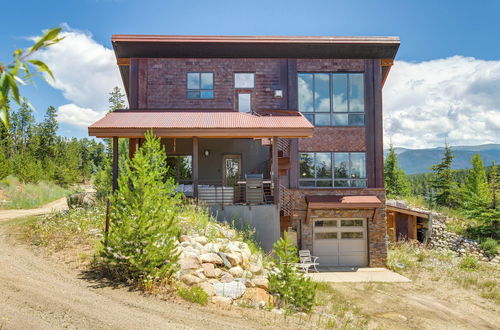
440, 35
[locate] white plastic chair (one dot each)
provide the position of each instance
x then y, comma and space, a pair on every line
307, 261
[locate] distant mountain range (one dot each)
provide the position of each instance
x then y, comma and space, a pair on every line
415, 161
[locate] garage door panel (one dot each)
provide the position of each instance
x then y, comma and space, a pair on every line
347, 246
340, 242
352, 260
332, 247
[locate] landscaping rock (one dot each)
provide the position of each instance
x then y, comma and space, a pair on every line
233, 290
261, 282
211, 258
189, 261
257, 297
226, 277
208, 288
190, 279
210, 271
226, 262
234, 258
201, 239
236, 271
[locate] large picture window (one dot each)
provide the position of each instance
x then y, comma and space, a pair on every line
332, 169
200, 85
332, 99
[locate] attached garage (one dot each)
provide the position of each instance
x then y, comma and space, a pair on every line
340, 242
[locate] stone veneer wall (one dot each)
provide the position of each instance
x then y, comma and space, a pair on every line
376, 219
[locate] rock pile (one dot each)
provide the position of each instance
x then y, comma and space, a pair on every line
224, 268
440, 238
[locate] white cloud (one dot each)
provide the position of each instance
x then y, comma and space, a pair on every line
74, 115
85, 71
456, 98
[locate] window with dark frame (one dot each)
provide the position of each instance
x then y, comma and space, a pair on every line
332, 170
200, 85
332, 99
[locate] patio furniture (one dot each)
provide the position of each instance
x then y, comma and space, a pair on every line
307, 261
254, 188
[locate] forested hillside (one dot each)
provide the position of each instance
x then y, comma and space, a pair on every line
415, 161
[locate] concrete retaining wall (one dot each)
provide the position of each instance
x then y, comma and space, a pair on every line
264, 218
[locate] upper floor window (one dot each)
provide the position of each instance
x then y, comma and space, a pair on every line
200, 85
332, 99
332, 169
244, 80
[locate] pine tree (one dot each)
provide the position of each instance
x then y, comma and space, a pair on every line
141, 244
476, 182
116, 99
443, 184
396, 181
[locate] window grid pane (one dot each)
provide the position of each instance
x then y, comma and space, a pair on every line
340, 94
200, 85
332, 170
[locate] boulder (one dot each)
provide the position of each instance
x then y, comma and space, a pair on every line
226, 262
184, 238
210, 248
234, 258
236, 271
190, 279
232, 247
201, 239
226, 277
233, 289
257, 296
261, 282
211, 258
189, 261
208, 288
210, 271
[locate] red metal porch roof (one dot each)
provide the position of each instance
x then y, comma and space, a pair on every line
134, 123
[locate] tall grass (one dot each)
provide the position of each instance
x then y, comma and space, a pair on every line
17, 195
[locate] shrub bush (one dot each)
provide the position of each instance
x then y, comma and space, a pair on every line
489, 246
195, 295
292, 289
141, 244
468, 263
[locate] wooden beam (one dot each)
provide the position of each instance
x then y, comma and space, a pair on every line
195, 166
274, 171
406, 211
123, 61
115, 163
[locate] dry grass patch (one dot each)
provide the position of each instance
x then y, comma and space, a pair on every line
446, 268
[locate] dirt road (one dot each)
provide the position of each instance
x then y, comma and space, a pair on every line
57, 205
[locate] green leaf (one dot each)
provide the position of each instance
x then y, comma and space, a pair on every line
3, 117
42, 67
17, 52
49, 35
4, 86
14, 88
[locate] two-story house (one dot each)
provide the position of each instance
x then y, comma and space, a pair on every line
283, 133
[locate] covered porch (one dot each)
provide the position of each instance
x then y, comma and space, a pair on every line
219, 157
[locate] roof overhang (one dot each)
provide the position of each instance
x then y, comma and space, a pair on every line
390, 208
207, 124
322, 202
254, 46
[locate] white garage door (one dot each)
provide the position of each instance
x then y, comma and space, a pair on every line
340, 242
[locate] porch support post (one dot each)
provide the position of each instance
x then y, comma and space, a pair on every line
195, 166
275, 177
115, 163
132, 147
